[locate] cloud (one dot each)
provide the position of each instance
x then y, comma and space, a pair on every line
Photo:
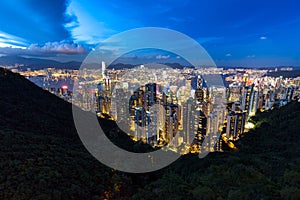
47, 50
263, 38
8, 40
59, 48
36, 21
84, 27
251, 56
228, 55
159, 57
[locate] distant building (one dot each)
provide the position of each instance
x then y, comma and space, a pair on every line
246, 98
235, 124
103, 68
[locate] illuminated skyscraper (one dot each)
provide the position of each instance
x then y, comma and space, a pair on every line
290, 93
200, 127
254, 101
234, 93
103, 68
245, 98
235, 124
171, 123
188, 87
141, 120
212, 132
150, 95
199, 94
108, 85
188, 121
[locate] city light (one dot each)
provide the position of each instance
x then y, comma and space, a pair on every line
247, 94
65, 87
249, 125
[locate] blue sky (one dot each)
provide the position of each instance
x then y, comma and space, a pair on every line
234, 32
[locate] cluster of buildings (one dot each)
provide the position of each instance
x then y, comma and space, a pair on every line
249, 94
181, 109
185, 110
57, 81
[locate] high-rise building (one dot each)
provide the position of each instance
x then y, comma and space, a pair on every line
290, 93
246, 97
150, 95
200, 125
188, 87
103, 68
171, 123
142, 120
235, 124
235, 92
212, 131
199, 94
254, 101
188, 119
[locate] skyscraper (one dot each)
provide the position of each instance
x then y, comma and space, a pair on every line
245, 98
253, 105
103, 68
235, 124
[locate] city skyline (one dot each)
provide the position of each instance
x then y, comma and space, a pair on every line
250, 34
160, 99
153, 107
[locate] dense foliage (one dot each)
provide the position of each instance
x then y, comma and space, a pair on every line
41, 154
265, 167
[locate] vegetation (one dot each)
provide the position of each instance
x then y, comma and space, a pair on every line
265, 167
42, 156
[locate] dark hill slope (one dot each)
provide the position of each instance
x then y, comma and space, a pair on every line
40, 152
267, 165
41, 155
24, 106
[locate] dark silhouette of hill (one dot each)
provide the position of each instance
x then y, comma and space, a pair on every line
37, 63
267, 165
25, 106
42, 157
41, 154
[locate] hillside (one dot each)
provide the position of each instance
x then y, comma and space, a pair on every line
41, 154
24, 106
37, 63
43, 158
267, 165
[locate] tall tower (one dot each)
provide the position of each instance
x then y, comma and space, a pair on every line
150, 95
254, 102
246, 97
235, 124
103, 70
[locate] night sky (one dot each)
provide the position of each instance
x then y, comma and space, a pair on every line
234, 32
